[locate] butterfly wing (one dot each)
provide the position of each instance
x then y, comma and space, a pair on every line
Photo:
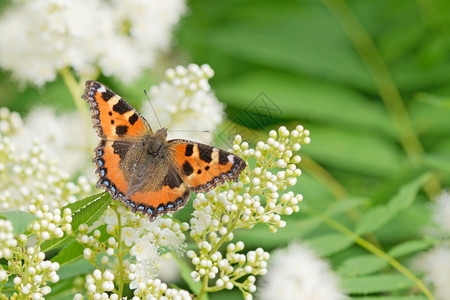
169, 196
112, 116
203, 167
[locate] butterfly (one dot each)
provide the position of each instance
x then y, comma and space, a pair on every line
142, 169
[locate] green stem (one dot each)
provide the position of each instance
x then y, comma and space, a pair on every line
75, 89
383, 81
120, 256
204, 287
377, 251
216, 247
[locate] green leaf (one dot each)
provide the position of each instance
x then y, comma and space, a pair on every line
69, 254
330, 243
300, 97
362, 265
407, 193
91, 210
344, 206
374, 219
84, 211
19, 220
257, 236
380, 215
74, 269
409, 247
186, 275
375, 284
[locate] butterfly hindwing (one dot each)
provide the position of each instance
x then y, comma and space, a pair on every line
148, 198
112, 178
203, 167
113, 117
171, 195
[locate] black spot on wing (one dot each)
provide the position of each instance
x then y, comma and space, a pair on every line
121, 148
107, 95
172, 179
133, 119
205, 152
122, 107
121, 130
189, 150
223, 157
187, 168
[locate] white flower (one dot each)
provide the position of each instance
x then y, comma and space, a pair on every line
122, 37
201, 218
63, 135
142, 28
186, 103
129, 235
297, 273
54, 34
436, 266
29, 175
170, 239
442, 212
144, 248
145, 270
10, 121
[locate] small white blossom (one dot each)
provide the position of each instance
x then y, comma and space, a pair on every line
144, 248
184, 100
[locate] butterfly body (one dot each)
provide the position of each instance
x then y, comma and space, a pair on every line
142, 169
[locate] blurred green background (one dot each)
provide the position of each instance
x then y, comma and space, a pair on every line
369, 79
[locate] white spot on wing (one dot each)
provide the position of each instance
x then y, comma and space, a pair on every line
231, 158
101, 89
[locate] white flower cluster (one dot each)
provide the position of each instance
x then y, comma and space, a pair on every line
27, 263
49, 224
10, 122
297, 273
435, 264
226, 271
7, 240
122, 38
67, 143
186, 102
140, 238
442, 212
27, 174
155, 289
260, 196
99, 283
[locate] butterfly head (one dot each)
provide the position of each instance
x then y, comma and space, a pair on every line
157, 142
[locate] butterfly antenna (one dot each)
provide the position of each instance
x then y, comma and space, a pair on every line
185, 130
145, 92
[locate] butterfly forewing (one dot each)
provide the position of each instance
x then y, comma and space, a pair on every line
203, 167
113, 117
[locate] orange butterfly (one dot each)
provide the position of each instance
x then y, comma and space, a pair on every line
140, 168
